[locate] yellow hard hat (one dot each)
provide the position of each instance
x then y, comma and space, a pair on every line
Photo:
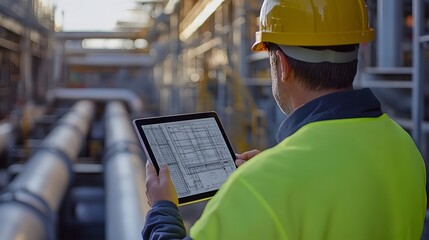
313, 23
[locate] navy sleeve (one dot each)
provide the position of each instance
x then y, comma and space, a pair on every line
164, 222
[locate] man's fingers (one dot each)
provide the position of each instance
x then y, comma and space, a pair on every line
159, 187
149, 166
238, 162
150, 171
164, 172
247, 155
251, 153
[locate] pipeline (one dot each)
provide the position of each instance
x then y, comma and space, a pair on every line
126, 203
9, 127
29, 204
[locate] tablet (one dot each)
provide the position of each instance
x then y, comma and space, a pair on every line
195, 149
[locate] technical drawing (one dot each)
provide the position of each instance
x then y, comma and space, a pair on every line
195, 152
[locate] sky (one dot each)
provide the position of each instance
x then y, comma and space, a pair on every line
90, 15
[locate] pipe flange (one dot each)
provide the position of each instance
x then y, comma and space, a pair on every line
63, 157
34, 203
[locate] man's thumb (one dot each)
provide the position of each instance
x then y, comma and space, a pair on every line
164, 173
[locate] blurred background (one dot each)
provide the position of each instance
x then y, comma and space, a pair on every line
74, 73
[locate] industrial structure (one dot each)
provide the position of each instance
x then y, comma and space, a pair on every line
71, 166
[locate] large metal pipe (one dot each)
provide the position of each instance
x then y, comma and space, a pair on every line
126, 203
30, 202
98, 94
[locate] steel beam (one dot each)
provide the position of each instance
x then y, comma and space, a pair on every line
417, 108
98, 94
389, 33
82, 35
112, 59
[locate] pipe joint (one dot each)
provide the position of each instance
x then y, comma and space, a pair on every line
32, 203
63, 157
129, 147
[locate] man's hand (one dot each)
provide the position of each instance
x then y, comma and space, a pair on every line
243, 157
159, 187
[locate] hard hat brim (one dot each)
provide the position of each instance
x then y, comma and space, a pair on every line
258, 47
315, 39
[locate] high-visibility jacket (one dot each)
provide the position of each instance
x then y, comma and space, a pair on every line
342, 170
359, 178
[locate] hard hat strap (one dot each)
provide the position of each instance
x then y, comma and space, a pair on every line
319, 56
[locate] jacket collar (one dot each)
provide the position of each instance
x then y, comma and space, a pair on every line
340, 105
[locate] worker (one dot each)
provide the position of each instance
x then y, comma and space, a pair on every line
342, 169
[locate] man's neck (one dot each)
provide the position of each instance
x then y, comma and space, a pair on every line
301, 96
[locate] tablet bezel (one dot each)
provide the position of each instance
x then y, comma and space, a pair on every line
138, 123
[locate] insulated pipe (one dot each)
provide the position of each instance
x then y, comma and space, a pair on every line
30, 202
126, 203
98, 94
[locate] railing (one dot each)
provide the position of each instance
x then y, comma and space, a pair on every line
247, 116
244, 121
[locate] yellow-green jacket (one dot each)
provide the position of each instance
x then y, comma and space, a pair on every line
336, 179
333, 178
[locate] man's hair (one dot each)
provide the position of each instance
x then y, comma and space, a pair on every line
326, 75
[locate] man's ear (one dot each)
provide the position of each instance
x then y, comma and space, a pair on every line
284, 64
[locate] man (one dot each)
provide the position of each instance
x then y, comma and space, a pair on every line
342, 169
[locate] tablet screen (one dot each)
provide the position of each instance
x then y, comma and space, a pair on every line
195, 149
